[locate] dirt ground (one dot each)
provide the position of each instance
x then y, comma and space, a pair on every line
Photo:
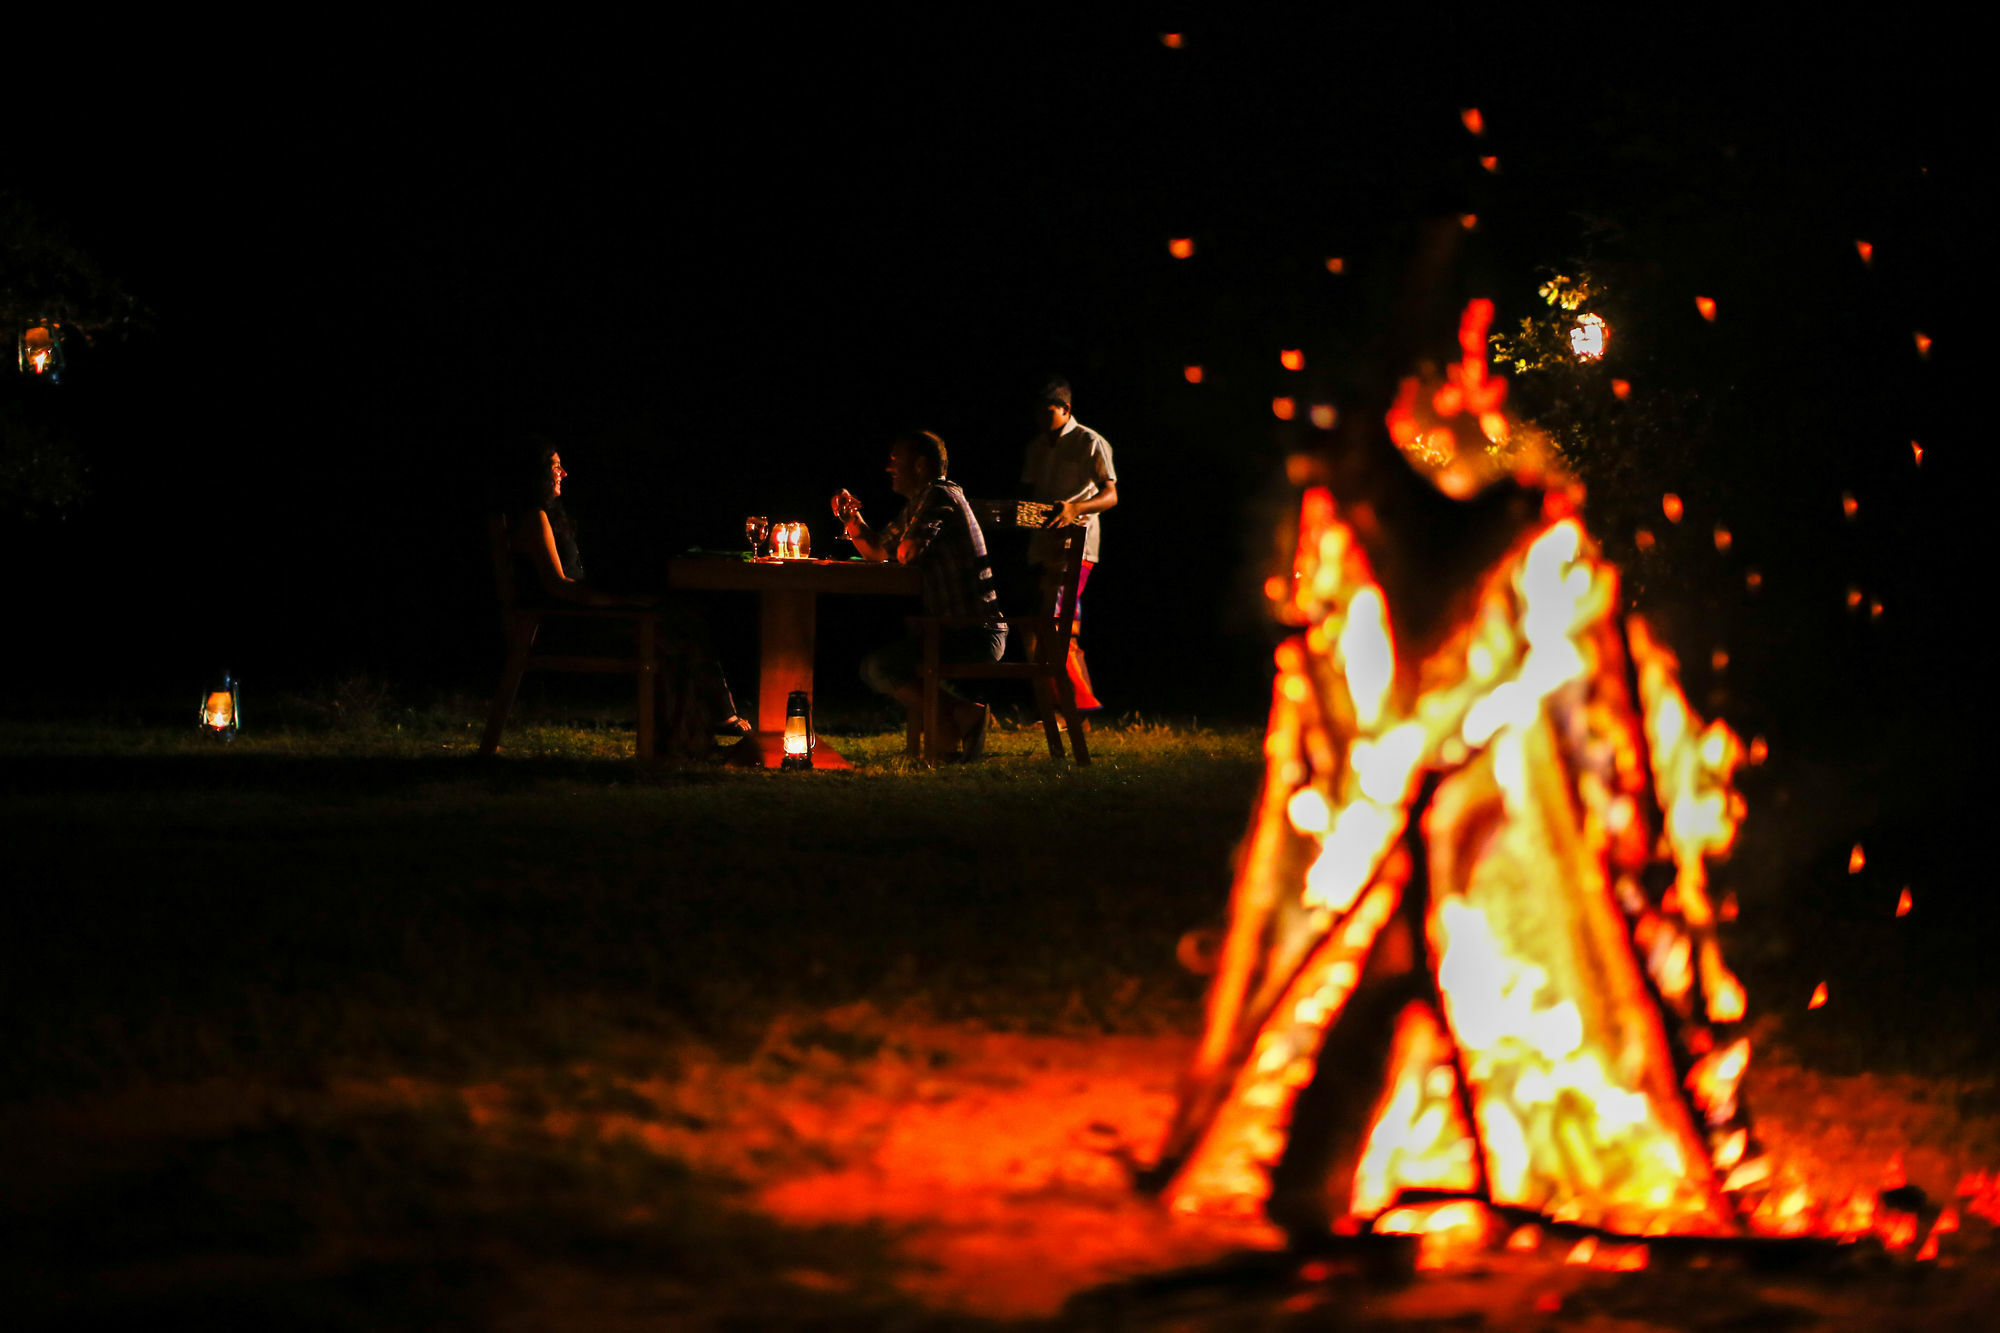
860, 1170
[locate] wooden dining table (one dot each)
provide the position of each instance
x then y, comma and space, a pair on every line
788, 593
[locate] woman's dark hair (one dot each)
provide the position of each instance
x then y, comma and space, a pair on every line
926, 444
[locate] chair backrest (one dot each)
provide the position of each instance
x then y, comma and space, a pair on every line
1034, 516
503, 568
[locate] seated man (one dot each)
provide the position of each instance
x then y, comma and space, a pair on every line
938, 533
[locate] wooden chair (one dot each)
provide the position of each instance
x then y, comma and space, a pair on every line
520, 623
1046, 668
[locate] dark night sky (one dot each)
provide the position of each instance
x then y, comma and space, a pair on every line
722, 269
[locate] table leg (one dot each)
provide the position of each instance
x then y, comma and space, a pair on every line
785, 627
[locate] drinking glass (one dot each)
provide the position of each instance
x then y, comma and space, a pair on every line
754, 528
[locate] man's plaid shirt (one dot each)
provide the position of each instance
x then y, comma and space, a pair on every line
951, 552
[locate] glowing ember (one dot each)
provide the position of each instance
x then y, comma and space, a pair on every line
1753, 579
1719, 660
1670, 505
1492, 164
1468, 220
1292, 359
1284, 409
1643, 539
1336, 264
1475, 124
1923, 341
1917, 452
1723, 538
1856, 859
1818, 996
1866, 251
1181, 247
1759, 751
1706, 305
1727, 910
1192, 374
1849, 506
1172, 41
1324, 415
1875, 609
1904, 902
1854, 596
1621, 388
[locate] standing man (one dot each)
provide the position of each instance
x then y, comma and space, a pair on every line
937, 532
1069, 465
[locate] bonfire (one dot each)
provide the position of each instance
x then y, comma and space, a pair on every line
1471, 970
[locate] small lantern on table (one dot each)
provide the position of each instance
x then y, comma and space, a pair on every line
39, 350
799, 736
220, 710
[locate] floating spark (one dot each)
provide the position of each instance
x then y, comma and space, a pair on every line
1856, 859
1292, 359
1923, 344
1707, 307
1181, 247
1904, 902
1818, 996
1192, 374
1284, 409
1670, 505
1866, 251
1475, 124
1324, 415
1335, 264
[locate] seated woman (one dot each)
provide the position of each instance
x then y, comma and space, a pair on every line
543, 539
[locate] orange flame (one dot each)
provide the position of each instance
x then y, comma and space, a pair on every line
1904, 902
1856, 859
1192, 374
1292, 359
1818, 996
1475, 124
1181, 247
1866, 251
1284, 409
1706, 305
1670, 505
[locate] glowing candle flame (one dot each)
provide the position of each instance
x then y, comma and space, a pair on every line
1670, 505
1856, 859
1818, 996
1324, 415
1284, 409
1475, 124
1291, 358
1181, 247
1866, 251
1904, 902
1706, 305
1192, 374
1917, 452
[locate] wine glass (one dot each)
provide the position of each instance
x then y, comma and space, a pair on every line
754, 528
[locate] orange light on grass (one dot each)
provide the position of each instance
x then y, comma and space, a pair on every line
1670, 505
1492, 164
1475, 124
1621, 389
1284, 409
1856, 859
1291, 358
1724, 539
1324, 415
1818, 996
1904, 902
1866, 251
1335, 264
1706, 305
1192, 374
1923, 341
1181, 247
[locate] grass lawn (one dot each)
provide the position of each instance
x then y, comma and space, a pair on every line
345, 1030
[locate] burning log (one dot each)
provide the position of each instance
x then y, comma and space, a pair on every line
1472, 954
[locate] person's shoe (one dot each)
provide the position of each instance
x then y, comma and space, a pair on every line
973, 743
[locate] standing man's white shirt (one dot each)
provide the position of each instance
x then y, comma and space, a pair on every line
1066, 465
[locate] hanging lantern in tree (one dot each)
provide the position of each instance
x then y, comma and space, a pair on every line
799, 737
39, 349
220, 713
1587, 338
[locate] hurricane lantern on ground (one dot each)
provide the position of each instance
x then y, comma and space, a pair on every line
38, 349
799, 736
220, 714
1471, 957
